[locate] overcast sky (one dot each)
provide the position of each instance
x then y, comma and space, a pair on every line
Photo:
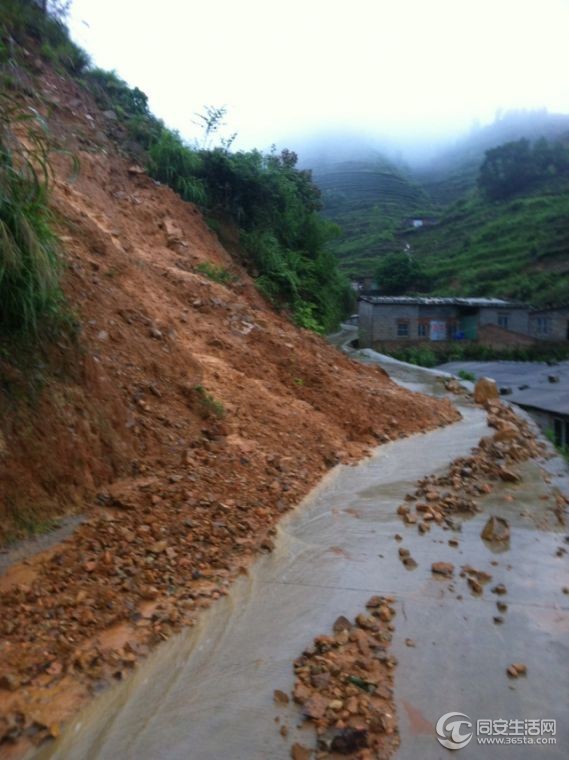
395, 67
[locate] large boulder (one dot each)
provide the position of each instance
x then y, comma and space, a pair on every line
485, 390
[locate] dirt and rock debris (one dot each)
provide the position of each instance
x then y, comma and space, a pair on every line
344, 687
184, 418
441, 498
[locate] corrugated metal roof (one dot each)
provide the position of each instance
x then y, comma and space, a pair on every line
444, 301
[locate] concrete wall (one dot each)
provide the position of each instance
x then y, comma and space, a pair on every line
365, 319
518, 320
557, 321
378, 323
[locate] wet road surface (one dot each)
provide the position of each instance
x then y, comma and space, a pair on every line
208, 693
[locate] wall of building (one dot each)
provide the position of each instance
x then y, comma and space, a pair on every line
518, 320
557, 325
365, 321
379, 323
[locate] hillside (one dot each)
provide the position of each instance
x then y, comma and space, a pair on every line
369, 202
517, 247
366, 194
169, 403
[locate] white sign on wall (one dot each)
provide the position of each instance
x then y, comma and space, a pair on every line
438, 330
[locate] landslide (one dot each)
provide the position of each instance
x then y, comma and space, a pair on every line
183, 418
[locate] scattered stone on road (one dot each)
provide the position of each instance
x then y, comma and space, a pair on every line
485, 390
517, 669
442, 568
344, 686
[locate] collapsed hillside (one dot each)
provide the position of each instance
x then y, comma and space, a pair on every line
182, 415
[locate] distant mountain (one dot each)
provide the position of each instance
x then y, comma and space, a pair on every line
469, 245
366, 193
453, 172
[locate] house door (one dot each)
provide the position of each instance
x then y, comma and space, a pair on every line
469, 326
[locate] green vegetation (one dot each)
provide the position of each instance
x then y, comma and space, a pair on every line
29, 261
22, 21
370, 202
495, 217
275, 206
215, 273
563, 450
464, 374
432, 356
399, 273
172, 162
515, 249
208, 406
453, 173
421, 356
520, 166
27, 521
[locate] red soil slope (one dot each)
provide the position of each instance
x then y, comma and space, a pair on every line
179, 498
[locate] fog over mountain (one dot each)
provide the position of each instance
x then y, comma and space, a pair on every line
409, 73
335, 146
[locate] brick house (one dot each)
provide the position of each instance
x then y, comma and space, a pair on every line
406, 320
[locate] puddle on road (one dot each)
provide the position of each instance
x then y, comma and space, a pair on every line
208, 693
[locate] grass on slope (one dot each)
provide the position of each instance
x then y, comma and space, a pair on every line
517, 249
369, 203
29, 261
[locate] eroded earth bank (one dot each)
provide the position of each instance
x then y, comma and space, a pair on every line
182, 420
360, 630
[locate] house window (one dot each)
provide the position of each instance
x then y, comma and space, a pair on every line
423, 329
402, 328
503, 320
544, 325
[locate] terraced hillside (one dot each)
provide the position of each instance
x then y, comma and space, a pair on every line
370, 201
517, 248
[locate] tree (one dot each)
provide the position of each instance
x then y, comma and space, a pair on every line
399, 273
211, 121
518, 165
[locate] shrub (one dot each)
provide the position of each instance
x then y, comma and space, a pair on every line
215, 273
24, 19
174, 163
466, 375
273, 203
208, 405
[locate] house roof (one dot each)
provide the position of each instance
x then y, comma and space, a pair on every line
551, 309
529, 383
544, 399
443, 301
